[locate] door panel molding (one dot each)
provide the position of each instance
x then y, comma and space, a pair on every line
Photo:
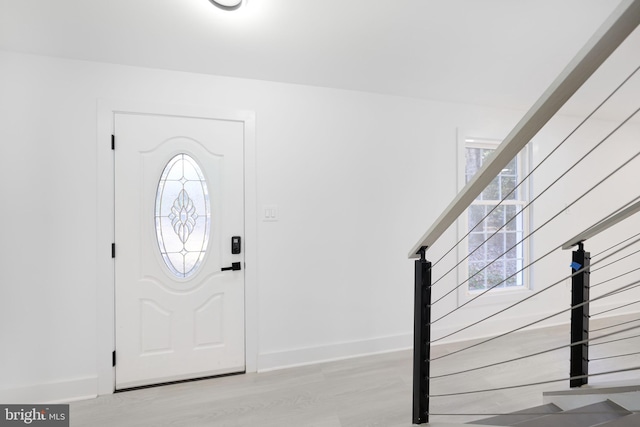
105, 301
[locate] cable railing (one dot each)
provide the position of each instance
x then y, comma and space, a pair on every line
613, 232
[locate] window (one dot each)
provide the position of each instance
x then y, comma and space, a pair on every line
182, 215
495, 248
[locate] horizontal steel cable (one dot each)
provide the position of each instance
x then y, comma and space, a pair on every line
539, 259
546, 222
555, 414
619, 291
615, 308
515, 359
542, 162
552, 414
636, 368
614, 326
629, 238
628, 245
583, 269
613, 357
613, 278
616, 340
626, 287
539, 353
546, 382
542, 257
609, 334
538, 414
532, 263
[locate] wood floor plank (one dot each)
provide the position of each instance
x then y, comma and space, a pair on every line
366, 391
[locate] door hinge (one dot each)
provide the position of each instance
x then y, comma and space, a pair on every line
113, 250
113, 142
113, 359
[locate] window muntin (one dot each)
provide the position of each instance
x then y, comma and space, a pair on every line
182, 215
483, 245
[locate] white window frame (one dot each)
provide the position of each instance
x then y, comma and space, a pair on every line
504, 294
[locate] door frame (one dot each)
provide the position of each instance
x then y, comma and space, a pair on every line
105, 266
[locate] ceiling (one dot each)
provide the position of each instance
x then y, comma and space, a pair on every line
489, 52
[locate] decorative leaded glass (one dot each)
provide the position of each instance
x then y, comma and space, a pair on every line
183, 215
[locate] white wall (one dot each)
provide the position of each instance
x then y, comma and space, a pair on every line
357, 177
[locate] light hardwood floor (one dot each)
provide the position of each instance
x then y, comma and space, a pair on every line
366, 391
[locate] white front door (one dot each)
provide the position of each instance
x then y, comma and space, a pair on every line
179, 195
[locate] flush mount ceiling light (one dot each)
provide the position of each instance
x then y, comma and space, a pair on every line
228, 4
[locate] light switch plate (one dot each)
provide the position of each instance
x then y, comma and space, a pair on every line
270, 213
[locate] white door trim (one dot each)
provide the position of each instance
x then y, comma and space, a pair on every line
105, 279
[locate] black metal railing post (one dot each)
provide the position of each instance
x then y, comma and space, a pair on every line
421, 339
581, 260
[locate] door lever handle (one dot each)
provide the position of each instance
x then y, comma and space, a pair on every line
235, 266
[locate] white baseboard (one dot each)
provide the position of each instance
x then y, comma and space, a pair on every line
331, 352
54, 392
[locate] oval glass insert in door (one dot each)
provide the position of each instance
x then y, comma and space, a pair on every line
183, 215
